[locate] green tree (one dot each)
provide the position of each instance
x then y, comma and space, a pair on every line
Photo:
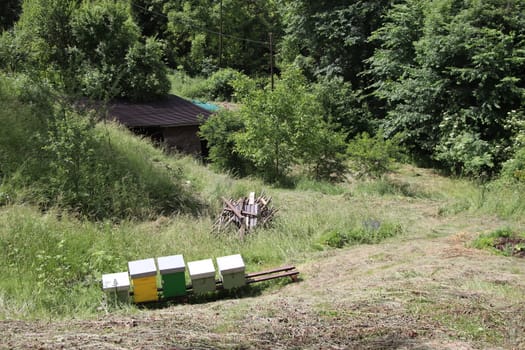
45, 27
330, 37
145, 75
284, 127
329, 41
92, 48
150, 16
453, 72
194, 28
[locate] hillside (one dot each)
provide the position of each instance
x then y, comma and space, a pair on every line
390, 136
425, 288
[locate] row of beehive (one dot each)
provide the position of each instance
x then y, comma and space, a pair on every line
143, 274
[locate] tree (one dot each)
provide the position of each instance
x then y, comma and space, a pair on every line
150, 17
91, 48
195, 26
145, 76
330, 37
284, 127
452, 73
329, 41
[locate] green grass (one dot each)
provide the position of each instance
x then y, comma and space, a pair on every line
53, 261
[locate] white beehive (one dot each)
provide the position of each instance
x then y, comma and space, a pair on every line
232, 271
116, 284
202, 274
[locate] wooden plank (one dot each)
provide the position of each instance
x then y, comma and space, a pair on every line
279, 269
232, 208
291, 274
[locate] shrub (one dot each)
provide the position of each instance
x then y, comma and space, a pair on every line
370, 232
465, 154
373, 156
219, 84
219, 131
514, 168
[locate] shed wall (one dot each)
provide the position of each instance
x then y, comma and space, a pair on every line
183, 138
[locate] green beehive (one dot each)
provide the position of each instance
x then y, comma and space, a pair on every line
116, 286
232, 271
172, 269
202, 274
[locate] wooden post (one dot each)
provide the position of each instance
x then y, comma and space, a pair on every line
220, 36
271, 58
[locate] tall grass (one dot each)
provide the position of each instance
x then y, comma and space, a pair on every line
504, 198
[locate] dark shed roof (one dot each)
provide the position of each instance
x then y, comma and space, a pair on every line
170, 111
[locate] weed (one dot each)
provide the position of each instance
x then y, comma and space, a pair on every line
503, 241
370, 232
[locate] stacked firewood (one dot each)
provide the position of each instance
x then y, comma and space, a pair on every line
245, 213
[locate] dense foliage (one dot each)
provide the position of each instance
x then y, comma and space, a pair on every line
9, 13
452, 74
191, 31
88, 48
447, 75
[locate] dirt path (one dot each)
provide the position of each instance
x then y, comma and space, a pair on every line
420, 293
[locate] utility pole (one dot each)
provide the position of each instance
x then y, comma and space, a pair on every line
271, 57
220, 36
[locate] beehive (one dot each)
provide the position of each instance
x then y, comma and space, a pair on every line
202, 274
231, 271
171, 270
144, 280
116, 286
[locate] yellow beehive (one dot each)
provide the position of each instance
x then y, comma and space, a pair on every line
143, 275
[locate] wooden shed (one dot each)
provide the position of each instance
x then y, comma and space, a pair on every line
171, 120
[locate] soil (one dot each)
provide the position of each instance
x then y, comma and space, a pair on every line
514, 245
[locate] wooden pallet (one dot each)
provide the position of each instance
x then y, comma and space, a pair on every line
285, 271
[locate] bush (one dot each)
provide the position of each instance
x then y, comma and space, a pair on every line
373, 156
219, 85
514, 168
219, 131
465, 154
